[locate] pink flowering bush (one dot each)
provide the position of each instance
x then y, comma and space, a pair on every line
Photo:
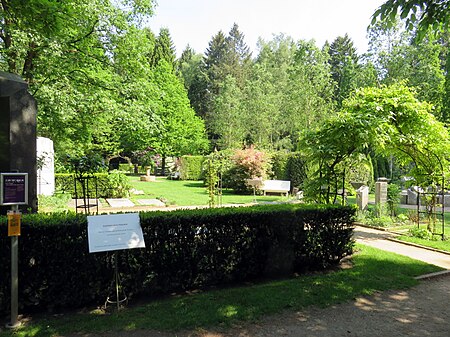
248, 164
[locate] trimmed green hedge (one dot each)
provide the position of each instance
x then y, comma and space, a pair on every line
191, 167
185, 249
109, 185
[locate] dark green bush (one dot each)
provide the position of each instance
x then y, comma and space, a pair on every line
279, 165
191, 167
185, 249
290, 166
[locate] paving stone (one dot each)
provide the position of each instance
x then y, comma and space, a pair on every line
123, 202
151, 202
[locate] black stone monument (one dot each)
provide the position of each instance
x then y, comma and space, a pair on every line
18, 133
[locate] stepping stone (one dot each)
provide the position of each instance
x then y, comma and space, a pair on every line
151, 202
123, 202
80, 202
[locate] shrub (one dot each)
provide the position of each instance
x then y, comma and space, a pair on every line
118, 185
186, 249
421, 233
109, 185
191, 167
296, 170
248, 163
393, 198
290, 166
279, 165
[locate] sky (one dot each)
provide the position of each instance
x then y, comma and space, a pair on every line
195, 22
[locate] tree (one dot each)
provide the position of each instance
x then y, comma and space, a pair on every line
181, 132
227, 122
422, 14
65, 51
238, 58
309, 95
164, 49
344, 66
392, 121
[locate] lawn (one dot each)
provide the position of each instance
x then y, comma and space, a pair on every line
190, 193
373, 270
436, 244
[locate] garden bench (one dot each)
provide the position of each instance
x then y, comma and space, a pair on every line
276, 186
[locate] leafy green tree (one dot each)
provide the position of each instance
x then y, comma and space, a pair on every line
420, 65
266, 92
446, 95
422, 14
225, 56
181, 132
226, 122
64, 50
238, 60
401, 57
391, 120
309, 95
261, 108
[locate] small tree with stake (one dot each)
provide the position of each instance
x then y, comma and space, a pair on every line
84, 168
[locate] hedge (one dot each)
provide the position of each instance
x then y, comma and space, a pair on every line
191, 167
185, 249
109, 185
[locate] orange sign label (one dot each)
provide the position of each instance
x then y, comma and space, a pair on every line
14, 218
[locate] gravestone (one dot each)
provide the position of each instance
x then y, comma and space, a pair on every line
362, 197
46, 166
381, 191
18, 133
412, 197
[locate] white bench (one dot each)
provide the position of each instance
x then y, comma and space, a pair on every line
276, 186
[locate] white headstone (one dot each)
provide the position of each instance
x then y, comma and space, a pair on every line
46, 166
362, 197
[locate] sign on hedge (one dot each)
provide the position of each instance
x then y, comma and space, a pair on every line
114, 232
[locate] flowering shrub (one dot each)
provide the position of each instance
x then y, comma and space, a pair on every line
253, 162
248, 164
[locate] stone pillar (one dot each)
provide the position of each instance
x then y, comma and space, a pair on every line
381, 192
18, 133
362, 197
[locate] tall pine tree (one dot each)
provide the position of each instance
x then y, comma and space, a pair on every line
344, 66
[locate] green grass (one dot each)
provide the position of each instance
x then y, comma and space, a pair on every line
373, 270
437, 244
189, 193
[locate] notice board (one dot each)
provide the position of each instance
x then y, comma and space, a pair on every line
114, 232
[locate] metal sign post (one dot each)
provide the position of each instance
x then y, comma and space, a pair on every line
14, 269
14, 192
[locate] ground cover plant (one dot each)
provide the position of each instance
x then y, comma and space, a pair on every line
405, 223
436, 244
372, 270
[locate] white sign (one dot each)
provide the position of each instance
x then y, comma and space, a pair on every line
114, 232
